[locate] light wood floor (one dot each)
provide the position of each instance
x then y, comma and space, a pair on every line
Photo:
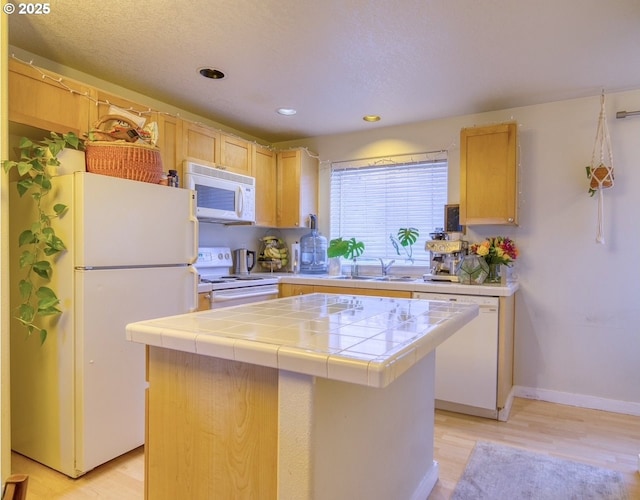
594, 437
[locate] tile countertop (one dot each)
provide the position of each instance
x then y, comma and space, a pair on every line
417, 285
357, 339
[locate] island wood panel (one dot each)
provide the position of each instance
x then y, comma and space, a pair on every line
212, 428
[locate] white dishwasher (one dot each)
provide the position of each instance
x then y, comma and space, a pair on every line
467, 362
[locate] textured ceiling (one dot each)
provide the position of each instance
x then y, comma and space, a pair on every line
337, 60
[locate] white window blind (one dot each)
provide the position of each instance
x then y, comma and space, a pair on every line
371, 199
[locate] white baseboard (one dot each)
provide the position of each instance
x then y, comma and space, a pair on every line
503, 414
428, 482
580, 400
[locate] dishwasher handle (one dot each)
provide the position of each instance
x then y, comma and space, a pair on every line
480, 300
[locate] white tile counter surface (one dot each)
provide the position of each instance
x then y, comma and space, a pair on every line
415, 285
357, 339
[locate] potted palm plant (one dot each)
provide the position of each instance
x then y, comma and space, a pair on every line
405, 239
348, 248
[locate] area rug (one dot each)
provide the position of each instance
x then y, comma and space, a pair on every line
499, 472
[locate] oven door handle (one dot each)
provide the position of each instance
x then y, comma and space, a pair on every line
217, 297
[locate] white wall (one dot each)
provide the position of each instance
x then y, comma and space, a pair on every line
577, 317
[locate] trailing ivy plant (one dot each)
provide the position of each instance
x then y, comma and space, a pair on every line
38, 241
405, 238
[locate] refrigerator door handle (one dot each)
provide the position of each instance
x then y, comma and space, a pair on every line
193, 220
196, 278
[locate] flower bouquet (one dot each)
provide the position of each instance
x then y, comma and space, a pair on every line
496, 251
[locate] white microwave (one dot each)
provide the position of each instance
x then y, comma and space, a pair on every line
221, 196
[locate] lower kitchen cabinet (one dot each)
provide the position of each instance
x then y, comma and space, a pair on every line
362, 291
204, 301
288, 289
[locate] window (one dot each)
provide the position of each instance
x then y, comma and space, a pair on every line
371, 199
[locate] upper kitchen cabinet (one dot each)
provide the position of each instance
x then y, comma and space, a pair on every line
170, 143
200, 142
264, 171
297, 188
106, 100
46, 103
235, 154
489, 175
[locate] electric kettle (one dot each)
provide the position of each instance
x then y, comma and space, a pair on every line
241, 264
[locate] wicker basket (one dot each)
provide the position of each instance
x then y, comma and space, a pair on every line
126, 160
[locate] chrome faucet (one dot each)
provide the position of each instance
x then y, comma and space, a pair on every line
385, 268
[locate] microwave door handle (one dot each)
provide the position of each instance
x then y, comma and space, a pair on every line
240, 201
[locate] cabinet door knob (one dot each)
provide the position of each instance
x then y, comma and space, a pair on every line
510, 219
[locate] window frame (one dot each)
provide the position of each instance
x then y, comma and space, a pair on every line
437, 169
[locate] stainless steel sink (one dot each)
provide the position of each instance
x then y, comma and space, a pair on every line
395, 278
354, 277
375, 278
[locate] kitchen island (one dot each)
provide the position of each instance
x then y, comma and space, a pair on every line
314, 396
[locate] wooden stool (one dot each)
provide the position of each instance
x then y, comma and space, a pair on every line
15, 487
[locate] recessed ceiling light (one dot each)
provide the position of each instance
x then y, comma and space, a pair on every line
214, 74
286, 111
371, 118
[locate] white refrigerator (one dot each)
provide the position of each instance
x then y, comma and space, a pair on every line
78, 400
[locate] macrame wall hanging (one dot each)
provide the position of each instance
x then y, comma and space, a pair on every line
600, 172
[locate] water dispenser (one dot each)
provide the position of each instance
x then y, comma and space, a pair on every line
313, 250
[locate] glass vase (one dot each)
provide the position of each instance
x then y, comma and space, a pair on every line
494, 273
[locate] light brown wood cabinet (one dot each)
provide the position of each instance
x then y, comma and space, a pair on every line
362, 291
489, 175
235, 154
170, 143
289, 289
204, 301
106, 100
297, 190
45, 103
264, 171
200, 142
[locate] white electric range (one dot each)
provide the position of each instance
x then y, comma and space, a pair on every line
214, 266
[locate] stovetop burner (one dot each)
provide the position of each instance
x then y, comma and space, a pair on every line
227, 279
